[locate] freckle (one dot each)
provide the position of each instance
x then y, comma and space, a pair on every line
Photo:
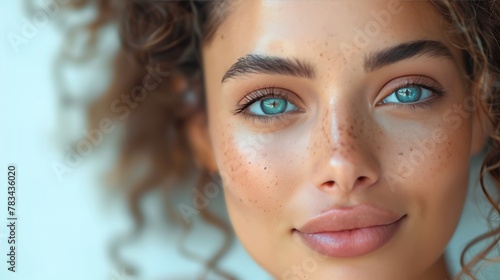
321, 54
249, 162
276, 184
401, 154
241, 200
411, 149
378, 147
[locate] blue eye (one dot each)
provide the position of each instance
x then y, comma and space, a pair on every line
409, 94
271, 106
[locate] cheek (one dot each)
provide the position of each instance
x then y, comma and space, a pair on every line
431, 175
256, 170
427, 163
259, 182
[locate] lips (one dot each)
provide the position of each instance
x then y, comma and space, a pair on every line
350, 232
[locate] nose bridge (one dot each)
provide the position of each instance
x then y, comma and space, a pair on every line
342, 152
341, 126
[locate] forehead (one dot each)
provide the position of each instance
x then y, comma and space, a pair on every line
298, 27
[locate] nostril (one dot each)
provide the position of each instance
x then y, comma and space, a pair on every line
329, 184
363, 180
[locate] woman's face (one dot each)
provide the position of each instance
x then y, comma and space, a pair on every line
341, 130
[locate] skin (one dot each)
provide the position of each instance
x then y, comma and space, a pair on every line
343, 147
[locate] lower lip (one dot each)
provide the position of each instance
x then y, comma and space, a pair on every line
350, 243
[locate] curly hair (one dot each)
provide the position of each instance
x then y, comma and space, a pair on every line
168, 36
477, 24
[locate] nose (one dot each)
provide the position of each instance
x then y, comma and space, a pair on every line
343, 155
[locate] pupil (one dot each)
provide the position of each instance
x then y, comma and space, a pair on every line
273, 106
409, 94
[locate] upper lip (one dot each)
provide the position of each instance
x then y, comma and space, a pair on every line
350, 218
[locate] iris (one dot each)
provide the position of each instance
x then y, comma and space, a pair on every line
273, 106
409, 94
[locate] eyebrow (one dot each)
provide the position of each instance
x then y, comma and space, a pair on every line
404, 51
262, 64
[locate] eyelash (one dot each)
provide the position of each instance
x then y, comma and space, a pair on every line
262, 93
418, 82
272, 91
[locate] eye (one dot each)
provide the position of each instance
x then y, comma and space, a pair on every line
271, 106
409, 94
268, 103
